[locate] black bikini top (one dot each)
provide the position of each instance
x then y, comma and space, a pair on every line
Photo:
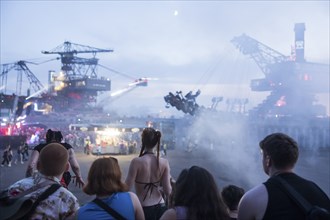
149, 186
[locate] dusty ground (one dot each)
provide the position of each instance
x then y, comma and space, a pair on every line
227, 167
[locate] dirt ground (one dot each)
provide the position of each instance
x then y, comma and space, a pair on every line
226, 166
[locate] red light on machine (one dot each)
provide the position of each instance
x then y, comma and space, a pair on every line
281, 101
306, 77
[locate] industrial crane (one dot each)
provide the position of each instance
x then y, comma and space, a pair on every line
21, 68
292, 81
79, 81
12, 105
16, 101
263, 55
76, 67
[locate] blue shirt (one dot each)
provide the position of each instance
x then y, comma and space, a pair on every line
121, 202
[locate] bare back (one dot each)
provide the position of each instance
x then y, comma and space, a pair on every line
148, 178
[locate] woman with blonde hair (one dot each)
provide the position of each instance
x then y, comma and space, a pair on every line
150, 175
113, 201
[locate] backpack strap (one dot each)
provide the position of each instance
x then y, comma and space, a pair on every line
293, 194
50, 190
5, 193
107, 208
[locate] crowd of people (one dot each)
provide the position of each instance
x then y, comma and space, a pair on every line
8, 156
150, 192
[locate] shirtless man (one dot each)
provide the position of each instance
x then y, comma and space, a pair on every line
148, 173
267, 200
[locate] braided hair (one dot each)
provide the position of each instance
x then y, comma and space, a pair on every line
150, 138
53, 136
58, 136
50, 136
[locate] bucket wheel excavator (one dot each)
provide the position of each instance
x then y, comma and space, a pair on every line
77, 85
293, 82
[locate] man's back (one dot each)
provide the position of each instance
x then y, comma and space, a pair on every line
280, 206
269, 200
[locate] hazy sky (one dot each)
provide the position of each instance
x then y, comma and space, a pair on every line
185, 44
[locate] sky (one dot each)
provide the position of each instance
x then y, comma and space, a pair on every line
182, 45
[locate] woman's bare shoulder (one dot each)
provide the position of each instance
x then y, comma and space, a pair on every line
137, 159
163, 161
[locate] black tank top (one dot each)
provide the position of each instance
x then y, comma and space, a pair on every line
280, 206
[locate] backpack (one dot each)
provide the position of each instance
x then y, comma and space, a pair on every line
22, 206
318, 213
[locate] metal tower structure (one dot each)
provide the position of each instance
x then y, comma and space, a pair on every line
76, 67
263, 55
293, 82
80, 83
21, 68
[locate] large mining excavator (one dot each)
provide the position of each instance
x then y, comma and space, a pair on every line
292, 80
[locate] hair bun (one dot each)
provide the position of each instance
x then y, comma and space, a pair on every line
158, 134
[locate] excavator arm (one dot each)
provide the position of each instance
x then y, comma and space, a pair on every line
263, 55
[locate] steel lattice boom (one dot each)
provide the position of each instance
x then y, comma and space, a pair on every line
21, 68
263, 55
76, 67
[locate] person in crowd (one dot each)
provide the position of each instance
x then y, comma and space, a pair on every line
62, 204
19, 154
196, 196
98, 150
231, 195
87, 149
164, 149
56, 137
104, 181
7, 156
268, 200
25, 152
150, 175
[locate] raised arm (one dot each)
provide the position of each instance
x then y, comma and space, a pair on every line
75, 168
